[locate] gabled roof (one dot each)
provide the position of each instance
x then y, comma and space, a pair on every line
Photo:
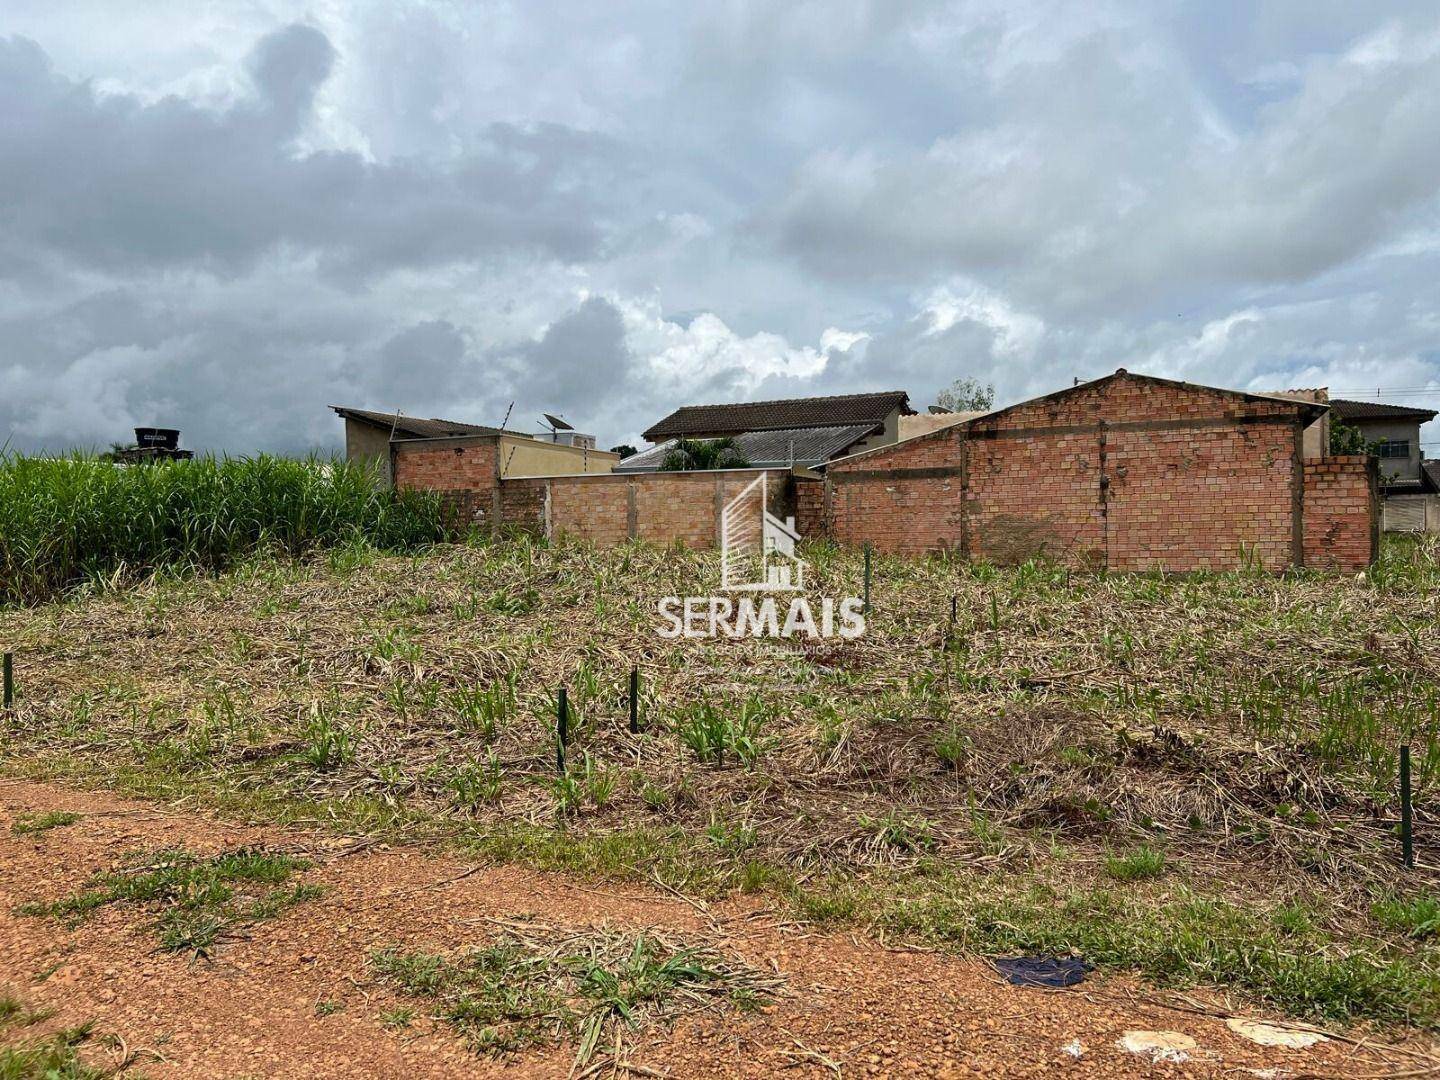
843, 409
1377, 410
414, 427
805, 447
1309, 409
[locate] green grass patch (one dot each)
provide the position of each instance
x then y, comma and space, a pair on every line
1142, 864
55, 1057
539, 984
1178, 939
40, 822
199, 900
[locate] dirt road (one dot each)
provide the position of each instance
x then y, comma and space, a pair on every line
295, 995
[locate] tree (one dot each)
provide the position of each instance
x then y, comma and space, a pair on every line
624, 450
693, 455
966, 395
1345, 439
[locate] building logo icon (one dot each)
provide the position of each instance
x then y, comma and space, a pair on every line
757, 549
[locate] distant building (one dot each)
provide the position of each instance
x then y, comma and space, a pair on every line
377, 437
790, 432
1395, 432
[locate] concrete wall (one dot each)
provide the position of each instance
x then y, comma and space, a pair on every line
1127, 473
659, 508
520, 456
369, 444
1382, 430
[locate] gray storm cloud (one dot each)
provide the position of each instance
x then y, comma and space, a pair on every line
605, 213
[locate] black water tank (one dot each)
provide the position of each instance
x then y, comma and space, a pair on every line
157, 438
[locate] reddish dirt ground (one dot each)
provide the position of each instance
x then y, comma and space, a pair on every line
851, 1006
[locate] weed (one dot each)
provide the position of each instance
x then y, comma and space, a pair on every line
901, 833
1139, 865
1417, 917
54, 1058
328, 745
475, 784
400, 1017
484, 711
712, 732
538, 983
512, 602
952, 747
40, 822
199, 899
329, 1008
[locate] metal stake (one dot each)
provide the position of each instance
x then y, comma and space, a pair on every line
954, 608
634, 700
9, 679
562, 725
867, 577
1407, 841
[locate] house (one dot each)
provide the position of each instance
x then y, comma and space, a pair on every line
1395, 432
790, 432
382, 438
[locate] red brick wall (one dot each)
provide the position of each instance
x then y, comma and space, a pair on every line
1209, 499
1129, 473
810, 507
659, 508
1342, 528
462, 470
904, 498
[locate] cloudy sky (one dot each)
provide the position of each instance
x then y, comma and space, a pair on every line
226, 216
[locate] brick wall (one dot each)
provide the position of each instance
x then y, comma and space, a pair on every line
1342, 529
659, 508
1128, 472
462, 470
810, 507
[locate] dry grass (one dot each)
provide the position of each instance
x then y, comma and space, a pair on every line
1243, 727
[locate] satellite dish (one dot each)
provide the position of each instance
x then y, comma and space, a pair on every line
556, 424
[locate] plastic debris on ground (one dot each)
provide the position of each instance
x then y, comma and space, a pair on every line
1171, 1046
1054, 971
1258, 1031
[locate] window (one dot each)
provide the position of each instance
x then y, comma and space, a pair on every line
1393, 448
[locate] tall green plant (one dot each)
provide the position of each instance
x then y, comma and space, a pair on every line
696, 454
64, 521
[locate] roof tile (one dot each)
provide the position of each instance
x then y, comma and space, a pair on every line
844, 409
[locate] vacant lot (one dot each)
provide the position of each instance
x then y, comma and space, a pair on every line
1190, 779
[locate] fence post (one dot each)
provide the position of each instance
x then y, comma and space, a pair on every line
867, 577
562, 724
1407, 842
9, 679
634, 700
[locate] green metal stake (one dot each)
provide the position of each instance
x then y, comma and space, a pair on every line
562, 732
867, 577
9, 679
1407, 841
634, 700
